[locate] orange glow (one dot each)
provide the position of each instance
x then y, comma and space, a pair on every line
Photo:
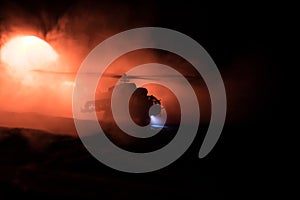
25, 53
23, 88
69, 83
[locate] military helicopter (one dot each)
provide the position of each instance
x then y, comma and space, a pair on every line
139, 103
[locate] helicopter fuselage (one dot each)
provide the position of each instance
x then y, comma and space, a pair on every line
139, 103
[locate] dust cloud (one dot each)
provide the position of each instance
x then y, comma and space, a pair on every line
73, 29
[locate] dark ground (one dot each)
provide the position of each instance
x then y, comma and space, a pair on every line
38, 164
60, 166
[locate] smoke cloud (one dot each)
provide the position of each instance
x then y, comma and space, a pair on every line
73, 29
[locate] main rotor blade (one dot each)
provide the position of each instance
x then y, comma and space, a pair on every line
61, 73
111, 75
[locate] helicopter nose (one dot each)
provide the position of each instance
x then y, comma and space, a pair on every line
154, 110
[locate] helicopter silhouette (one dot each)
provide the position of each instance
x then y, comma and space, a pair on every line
139, 103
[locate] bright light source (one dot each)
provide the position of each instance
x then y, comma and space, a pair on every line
25, 53
156, 122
